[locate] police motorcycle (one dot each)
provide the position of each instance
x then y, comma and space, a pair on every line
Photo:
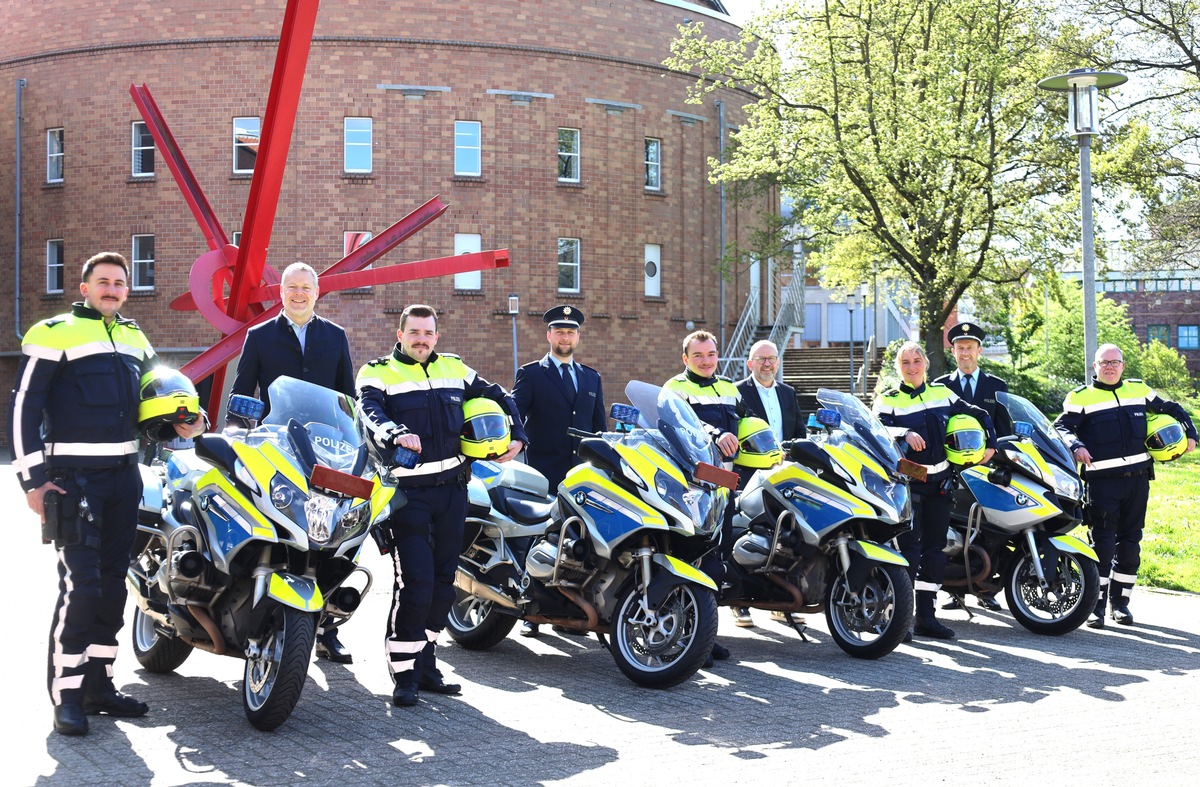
1010, 527
248, 538
611, 553
810, 533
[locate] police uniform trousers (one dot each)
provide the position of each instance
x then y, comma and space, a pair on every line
923, 546
91, 581
1117, 515
426, 538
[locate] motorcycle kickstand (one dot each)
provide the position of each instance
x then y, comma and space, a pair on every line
962, 604
603, 641
799, 627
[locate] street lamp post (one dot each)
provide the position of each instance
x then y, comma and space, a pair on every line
514, 308
1083, 86
851, 302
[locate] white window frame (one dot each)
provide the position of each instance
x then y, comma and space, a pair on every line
138, 264
137, 151
353, 140
237, 145
569, 160
652, 163
54, 262
569, 264
652, 257
468, 243
55, 155
468, 143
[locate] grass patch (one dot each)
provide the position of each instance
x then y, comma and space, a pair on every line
1171, 542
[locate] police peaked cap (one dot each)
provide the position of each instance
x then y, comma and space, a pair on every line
966, 330
563, 317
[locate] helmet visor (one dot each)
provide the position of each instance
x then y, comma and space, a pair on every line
966, 440
763, 442
488, 426
1170, 435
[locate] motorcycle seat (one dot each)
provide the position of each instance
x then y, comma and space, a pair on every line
527, 512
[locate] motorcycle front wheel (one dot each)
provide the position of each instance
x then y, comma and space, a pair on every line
873, 624
156, 653
277, 668
1059, 608
477, 624
664, 647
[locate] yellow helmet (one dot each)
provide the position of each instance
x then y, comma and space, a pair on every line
167, 398
757, 445
965, 440
1165, 439
485, 432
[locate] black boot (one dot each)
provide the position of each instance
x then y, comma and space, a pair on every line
405, 693
926, 624
101, 696
429, 677
69, 719
1119, 593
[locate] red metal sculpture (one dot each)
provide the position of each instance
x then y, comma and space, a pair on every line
231, 286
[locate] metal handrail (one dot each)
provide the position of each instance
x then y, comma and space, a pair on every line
741, 338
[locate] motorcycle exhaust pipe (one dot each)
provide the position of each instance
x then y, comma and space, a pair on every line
206, 622
465, 582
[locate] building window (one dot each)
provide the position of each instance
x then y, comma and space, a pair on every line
568, 265
357, 146
246, 132
143, 151
1119, 285
352, 240
468, 148
143, 262
568, 155
468, 243
1189, 337
54, 266
653, 164
1161, 333
653, 270
54, 155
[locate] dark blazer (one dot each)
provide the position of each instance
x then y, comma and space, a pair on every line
272, 350
793, 425
548, 410
986, 388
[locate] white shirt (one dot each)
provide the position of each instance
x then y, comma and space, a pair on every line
770, 400
300, 330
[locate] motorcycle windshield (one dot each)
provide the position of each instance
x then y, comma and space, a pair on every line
682, 434
861, 427
327, 415
1045, 436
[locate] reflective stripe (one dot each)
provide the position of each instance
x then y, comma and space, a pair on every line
95, 651
729, 400
1120, 461
920, 406
1110, 404
939, 467
69, 660
920, 585
1128, 579
24, 463
429, 468
423, 385
405, 648
431, 635
92, 449
42, 353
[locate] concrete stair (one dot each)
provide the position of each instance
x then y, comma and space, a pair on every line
809, 368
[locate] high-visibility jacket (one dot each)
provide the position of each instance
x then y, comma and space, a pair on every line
1110, 421
399, 395
717, 401
926, 410
75, 403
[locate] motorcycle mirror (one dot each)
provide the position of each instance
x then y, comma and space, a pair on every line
301, 447
1022, 429
829, 418
246, 407
624, 414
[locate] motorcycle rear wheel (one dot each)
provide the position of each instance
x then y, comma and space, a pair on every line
275, 677
156, 653
1059, 609
668, 647
477, 624
876, 623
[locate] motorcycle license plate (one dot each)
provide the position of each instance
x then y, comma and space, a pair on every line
914, 470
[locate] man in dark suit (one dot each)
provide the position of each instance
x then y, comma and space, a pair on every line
979, 388
554, 394
775, 402
298, 344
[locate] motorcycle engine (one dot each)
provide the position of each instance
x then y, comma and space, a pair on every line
542, 557
752, 550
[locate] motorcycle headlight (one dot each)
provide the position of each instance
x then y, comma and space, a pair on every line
1066, 484
1024, 462
287, 497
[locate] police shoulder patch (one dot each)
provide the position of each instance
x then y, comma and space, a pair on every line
451, 355
59, 320
380, 361
1133, 380
892, 392
1080, 388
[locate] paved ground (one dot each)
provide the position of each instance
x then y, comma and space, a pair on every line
998, 704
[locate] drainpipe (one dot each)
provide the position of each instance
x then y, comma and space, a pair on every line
721, 191
17, 219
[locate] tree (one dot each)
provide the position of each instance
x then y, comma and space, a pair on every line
911, 135
1061, 358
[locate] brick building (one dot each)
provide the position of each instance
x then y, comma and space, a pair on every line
1162, 306
550, 128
